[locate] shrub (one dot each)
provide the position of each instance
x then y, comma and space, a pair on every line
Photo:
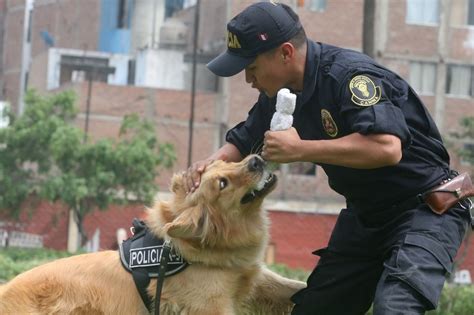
14, 261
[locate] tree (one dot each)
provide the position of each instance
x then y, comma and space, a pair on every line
466, 135
43, 155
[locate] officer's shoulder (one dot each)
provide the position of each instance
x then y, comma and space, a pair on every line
342, 63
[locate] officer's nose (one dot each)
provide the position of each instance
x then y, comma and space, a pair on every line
256, 164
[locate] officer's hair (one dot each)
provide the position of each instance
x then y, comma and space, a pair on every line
298, 41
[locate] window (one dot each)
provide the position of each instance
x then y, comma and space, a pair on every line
317, 5
122, 14
470, 12
460, 80
75, 68
172, 6
4, 120
462, 13
423, 77
422, 12
78, 76
189, 3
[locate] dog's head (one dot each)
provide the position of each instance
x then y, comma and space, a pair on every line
224, 211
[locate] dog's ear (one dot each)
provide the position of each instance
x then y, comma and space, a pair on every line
187, 225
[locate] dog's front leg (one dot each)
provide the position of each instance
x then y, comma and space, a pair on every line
272, 293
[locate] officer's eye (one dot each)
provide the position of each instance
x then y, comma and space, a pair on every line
223, 182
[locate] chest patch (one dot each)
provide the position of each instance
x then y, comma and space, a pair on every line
151, 256
329, 124
363, 90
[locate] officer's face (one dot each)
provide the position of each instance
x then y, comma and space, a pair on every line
266, 73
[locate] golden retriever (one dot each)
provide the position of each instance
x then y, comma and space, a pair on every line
220, 229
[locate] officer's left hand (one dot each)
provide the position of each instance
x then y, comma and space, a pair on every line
281, 146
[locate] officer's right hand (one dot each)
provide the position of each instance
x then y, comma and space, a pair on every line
192, 176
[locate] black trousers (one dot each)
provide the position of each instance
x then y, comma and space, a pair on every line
399, 265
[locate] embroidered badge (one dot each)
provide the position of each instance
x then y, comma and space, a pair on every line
232, 40
328, 123
364, 92
150, 256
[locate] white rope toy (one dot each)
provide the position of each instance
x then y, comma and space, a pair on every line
285, 106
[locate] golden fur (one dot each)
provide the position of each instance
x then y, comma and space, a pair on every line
223, 239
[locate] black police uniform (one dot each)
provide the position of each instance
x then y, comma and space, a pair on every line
386, 247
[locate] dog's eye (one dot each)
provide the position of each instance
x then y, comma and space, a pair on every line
223, 183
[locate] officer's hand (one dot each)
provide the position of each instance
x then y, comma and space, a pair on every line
281, 146
192, 176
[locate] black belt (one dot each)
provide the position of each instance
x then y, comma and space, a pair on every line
410, 203
380, 214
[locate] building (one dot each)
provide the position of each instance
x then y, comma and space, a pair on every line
137, 56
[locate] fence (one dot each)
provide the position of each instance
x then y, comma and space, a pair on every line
20, 239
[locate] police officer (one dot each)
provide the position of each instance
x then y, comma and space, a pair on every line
379, 147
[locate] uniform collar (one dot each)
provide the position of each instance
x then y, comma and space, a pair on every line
313, 56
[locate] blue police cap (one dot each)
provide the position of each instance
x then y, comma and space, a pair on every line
258, 28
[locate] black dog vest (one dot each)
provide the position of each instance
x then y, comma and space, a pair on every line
141, 256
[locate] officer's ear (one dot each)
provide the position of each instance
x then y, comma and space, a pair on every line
287, 52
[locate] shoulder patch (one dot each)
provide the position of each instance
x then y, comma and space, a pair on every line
363, 90
329, 124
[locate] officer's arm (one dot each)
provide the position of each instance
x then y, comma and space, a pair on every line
354, 150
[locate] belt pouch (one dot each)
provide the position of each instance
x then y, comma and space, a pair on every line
443, 197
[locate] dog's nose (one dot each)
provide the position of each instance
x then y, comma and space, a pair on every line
255, 164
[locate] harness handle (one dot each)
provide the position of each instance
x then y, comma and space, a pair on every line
165, 254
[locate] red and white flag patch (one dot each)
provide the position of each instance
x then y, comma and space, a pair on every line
263, 36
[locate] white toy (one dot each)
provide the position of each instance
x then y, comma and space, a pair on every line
285, 106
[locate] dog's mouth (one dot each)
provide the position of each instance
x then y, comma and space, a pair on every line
263, 187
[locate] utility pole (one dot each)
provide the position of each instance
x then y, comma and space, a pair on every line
25, 54
368, 28
442, 67
193, 83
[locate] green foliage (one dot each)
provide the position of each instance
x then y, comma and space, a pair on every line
14, 261
43, 154
456, 300
467, 133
